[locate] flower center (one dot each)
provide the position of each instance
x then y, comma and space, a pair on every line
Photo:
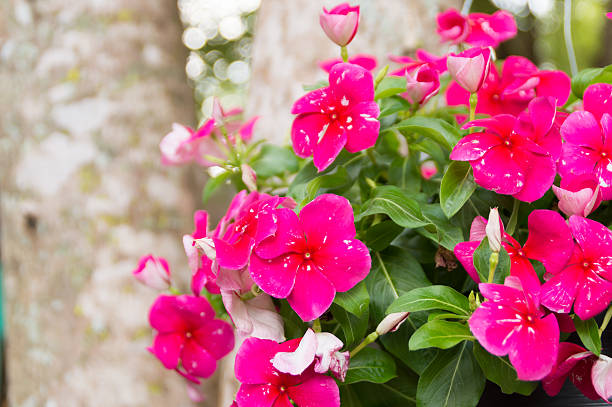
520, 253
530, 319
283, 389
585, 264
307, 255
604, 154
188, 334
334, 116
507, 143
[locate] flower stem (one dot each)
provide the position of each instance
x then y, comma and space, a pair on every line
249, 295
344, 54
467, 4
473, 102
174, 290
493, 260
567, 34
367, 340
513, 217
316, 325
371, 157
605, 321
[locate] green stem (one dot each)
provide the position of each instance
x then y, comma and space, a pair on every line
567, 34
605, 321
473, 103
493, 260
344, 54
371, 157
174, 290
249, 295
514, 217
367, 340
380, 76
316, 325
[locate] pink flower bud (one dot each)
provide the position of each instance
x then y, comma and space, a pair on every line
494, 230
609, 15
601, 375
578, 195
249, 177
422, 84
391, 322
453, 26
428, 169
340, 23
153, 272
470, 68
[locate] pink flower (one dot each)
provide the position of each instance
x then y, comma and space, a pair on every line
423, 58
453, 26
422, 84
153, 272
511, 322
609, 15
601, 376
521, 81
183, 144
476, 29
188, 333
230, 120
549, 242
322, 348
312, 256
340, 23
201, 266
391, 322
470, 68
588, 138
340, 115
365, 61
428, 169
578, 194
585, 279
509, 161
576, 363
262, 385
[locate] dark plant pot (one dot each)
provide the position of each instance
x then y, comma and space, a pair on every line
569, 396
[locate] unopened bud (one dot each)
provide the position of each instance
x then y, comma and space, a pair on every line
249, 177
391, 322
215, 171
493, 230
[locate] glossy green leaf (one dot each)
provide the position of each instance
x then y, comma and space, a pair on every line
380, 236
457, 187
274, 160
452, 379
371, 365
439, 334
588, 331
213, 184
395, 203
589, 76
500, 371
440, 229
354, 328
404, 173
356, 300
336, 179
429, 298
400, 391
391, 85
482, 256
440, 131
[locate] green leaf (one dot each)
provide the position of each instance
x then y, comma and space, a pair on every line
371, 365
457, 187
393, 104
394, 272
400, 391
452, 379
294, 326
589, 76
500, 371
353, 327
588, 331
439, 334
440, 131
391, 85
380, 236
274, 160
404, 173
337, 179
432, 297
481, 257
213, 184
440, 230
356, 300
395, 203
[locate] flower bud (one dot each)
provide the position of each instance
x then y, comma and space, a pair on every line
153, 272
493, 230
470, 68
601, 374
428, 169
391, 322
340, 23
249, 177
215, 171
422, 84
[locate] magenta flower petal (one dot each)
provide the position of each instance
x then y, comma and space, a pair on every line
498, 172
167, 348
344, 262
286, 238
260, 395
234, 255
593, 296
312, 293
318, 391
569, 355
536, 349
556, 84
539, 174
474, 146
351, 84
328, 147
494, 327
582, 129
363, 128
576, 160
197, 361
166, 314
304, 132
464, 252
217, 337
328, 217
253, 362
452, 26
312, 102
550, 240
276, 276
598, 99
559, 292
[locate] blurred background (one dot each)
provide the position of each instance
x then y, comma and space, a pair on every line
87, 90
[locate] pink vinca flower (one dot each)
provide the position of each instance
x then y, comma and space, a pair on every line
189, 338
470, 68
423, 58
453, 26
578, 195
511, 322
601, 376
576, 363
153, 272
183, 145
509, 161
476, 29
365, 61
585, 281
262, 385
322, 348
340, 23
588, 138
312, 256
428, 169
609, 15
421, 84
201, 265
549, 242
230, 120
520, 82
343, 114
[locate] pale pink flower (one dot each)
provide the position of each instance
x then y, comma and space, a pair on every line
391, 322
201, 265
153, 272
470, 68
578, 194
421, 84
183, 145
601, 376
340, 23
494, 230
